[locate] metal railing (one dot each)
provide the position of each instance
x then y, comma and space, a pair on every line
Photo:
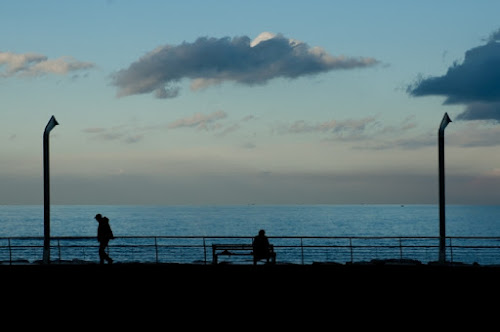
289, 249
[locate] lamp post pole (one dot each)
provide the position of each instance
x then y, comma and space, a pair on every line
442, 221
46, 190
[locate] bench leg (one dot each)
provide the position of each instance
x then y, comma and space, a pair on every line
272, 257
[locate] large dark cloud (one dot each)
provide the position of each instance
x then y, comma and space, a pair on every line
475, 82
209, 61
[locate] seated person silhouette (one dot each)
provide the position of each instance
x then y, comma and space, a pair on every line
261, 247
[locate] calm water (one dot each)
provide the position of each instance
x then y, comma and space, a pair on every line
246, 220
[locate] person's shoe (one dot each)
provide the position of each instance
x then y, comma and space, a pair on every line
110, 261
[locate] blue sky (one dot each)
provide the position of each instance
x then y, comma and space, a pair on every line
237, 102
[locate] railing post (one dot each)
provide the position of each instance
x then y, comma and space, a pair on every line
156, 250
400, 248
10, 253
302, 250
59, 249
350, 246
215, 257
451, 251
204, 251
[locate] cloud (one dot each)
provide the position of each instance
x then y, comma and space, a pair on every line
119, 133
475, 134
481, 111
350, 126
199, 120
342, 130
474, 83
494, 36
366, 133
412, 143
32, 64
134, 133
210, 61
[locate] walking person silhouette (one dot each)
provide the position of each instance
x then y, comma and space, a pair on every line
104, 234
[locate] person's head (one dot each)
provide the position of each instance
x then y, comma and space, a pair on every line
98, 217
262, 232
105, 219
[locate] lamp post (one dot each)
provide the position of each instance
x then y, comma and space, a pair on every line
442, 222
46, 190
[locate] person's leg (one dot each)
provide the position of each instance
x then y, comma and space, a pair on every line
102, 253
109, 259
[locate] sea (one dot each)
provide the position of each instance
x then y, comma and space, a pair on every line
363, 220
246, 220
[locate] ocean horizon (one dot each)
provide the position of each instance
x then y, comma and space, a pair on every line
246, 220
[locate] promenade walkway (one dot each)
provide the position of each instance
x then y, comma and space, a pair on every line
220, 289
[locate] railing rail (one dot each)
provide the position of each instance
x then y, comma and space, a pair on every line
289, 249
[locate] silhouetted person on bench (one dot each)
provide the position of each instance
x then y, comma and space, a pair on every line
261, 247
104, 234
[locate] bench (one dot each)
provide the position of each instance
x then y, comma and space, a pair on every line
238, 250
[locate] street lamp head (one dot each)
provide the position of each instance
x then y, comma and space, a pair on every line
51, 124
444, 122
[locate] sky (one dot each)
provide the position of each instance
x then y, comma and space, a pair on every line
249, 102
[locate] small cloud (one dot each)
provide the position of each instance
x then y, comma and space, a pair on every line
198, 120
249, 145
475, 134
229, 129
249, 118
341, 128
93, 130
412, 143
119, 133
32, 64
134, 139
367, 133
211, 61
